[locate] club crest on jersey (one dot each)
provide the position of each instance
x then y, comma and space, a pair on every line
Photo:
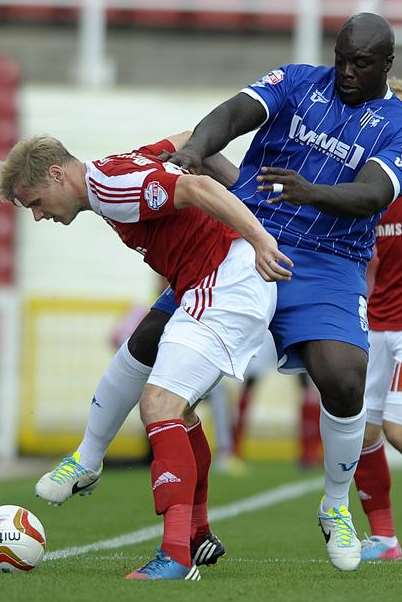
371, 119
317, 96
155, 195
272, 78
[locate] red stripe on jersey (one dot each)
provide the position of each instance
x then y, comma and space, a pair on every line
106, 188
120, 198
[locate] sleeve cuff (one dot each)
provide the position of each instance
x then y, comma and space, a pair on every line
390, 174
258, 98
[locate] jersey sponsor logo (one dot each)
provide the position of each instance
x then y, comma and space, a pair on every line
389, 229
370, 118
318, 96
348, 154
272, 78
398, 161
155, 195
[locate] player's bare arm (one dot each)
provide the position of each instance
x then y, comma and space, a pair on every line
217, 166
236, 116
371, 191
214, 199
221, 169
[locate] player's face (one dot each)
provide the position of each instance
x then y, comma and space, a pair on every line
361, 71
53, 200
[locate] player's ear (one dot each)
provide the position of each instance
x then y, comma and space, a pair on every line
389, 59
56, 172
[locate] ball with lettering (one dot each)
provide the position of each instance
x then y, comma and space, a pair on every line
22, 540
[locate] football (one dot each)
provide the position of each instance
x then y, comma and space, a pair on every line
22, 539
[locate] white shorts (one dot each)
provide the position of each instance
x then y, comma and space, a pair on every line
383, 394
265, 361
224, 319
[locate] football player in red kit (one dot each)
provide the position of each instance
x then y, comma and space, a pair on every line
221, 264
383, 394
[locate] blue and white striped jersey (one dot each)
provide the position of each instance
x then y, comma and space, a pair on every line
310, 130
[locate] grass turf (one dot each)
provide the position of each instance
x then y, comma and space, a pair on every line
276, 553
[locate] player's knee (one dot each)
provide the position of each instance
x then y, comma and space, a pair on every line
190, 417
393, 434
159, 404
143, 343
343, 397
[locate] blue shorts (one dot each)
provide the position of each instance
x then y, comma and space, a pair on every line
325, 300
166, 302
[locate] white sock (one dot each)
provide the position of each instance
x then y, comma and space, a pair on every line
116, 394
342, 440
221, 417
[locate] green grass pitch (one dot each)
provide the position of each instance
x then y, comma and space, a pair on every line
276, 553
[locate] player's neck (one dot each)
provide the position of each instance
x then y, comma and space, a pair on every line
78, 183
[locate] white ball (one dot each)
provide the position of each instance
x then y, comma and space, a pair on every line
22, 539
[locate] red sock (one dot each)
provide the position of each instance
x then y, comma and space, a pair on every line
202, 454
174, 475
373, 482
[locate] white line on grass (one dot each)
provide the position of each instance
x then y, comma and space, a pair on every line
256, 502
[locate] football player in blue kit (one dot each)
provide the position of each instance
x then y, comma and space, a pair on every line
324, 163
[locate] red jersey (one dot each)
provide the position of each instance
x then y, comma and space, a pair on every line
134, 193
385, 302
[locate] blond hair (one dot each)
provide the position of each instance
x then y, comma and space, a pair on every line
396, 86
28, 162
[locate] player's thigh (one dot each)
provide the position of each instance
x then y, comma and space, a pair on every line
392, 414
143, 343
338, 370
184, 372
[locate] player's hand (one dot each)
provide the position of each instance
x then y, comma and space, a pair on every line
268, 260
296, 189
186, 157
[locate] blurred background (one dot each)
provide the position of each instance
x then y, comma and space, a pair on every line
105, 77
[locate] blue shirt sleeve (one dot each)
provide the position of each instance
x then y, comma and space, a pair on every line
390, 159
273, 89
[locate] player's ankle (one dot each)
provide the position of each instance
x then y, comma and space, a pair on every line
178, 553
